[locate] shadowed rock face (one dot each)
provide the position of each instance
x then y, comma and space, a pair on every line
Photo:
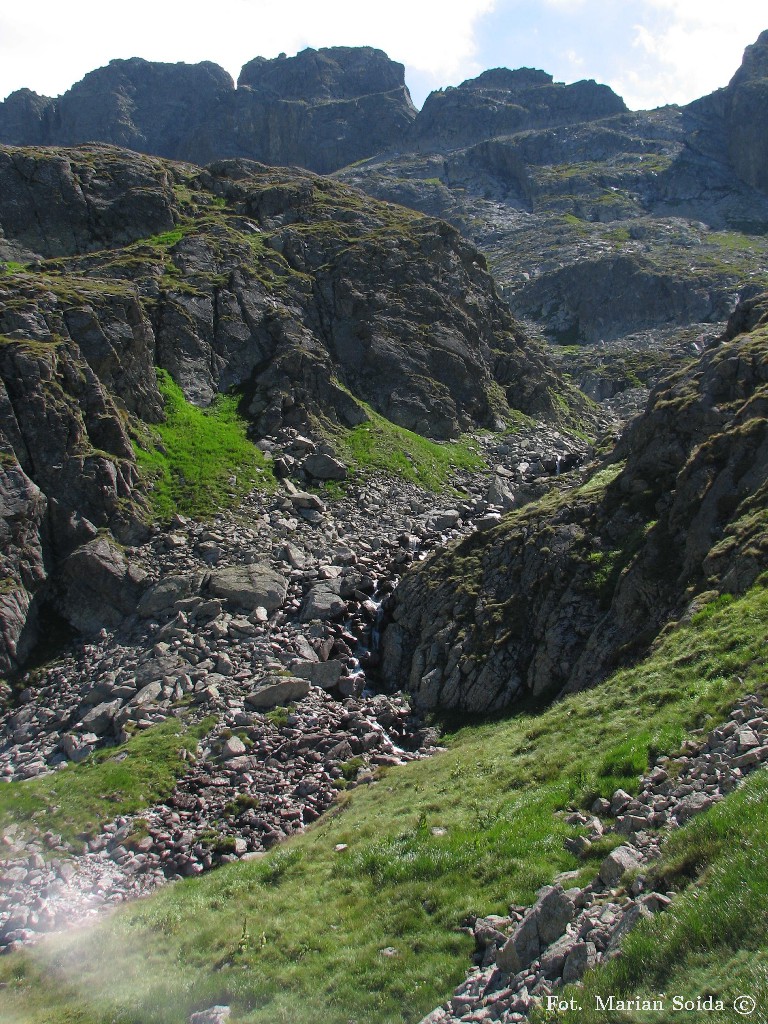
307, 296
556, 595
747, 115
502, 102
321, 109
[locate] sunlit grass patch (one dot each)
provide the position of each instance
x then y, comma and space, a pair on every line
382, 445
199, 460
77, 799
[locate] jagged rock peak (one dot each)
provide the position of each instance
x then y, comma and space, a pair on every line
502, 102
193, 112
510, 81
754, 64
334, 72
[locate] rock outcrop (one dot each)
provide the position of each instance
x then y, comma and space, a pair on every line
559, 593
321, 109
502, 102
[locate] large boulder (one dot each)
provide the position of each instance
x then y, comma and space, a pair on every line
325, 674
160, 598
276, 690
249, 586
544, 923
323, 602
98, 587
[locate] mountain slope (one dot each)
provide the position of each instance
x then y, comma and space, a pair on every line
598, 222
559, 593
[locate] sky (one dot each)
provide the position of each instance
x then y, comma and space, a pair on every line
651, 52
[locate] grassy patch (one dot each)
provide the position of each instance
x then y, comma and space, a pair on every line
12, 267
199, 460
470, 830
118, 780
383, 446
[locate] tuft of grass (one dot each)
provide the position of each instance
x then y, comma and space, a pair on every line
381, 445
76, 800
199, 460
466, 831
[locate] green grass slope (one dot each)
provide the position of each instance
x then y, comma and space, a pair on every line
76, 800
199, 460
301, 934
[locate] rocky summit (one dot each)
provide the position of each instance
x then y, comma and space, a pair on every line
322, 109
383, 548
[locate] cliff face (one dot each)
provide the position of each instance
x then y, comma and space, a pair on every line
746, 117
307, 297
562, 591
321, 109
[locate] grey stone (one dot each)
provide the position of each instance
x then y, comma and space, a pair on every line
619, 801
304, 500
581, 959
233, 747
617, 863
100, 719
249, 586
500, 493
445, 520
323, 602
692, 804
213, 1015
325, 674
553, 911
277, 690
98, 587
161, 597
147, 695
324, 467
636, 913
525, 942
553, 958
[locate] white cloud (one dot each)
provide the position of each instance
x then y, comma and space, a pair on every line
687, 48
568, 6
46, 47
